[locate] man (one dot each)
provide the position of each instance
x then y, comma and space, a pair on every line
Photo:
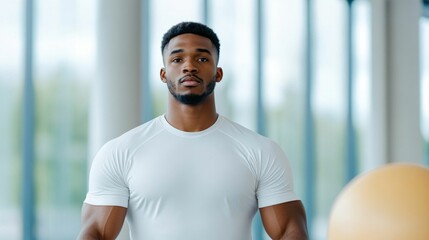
191, 174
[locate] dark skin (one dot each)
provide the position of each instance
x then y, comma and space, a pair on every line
186, 55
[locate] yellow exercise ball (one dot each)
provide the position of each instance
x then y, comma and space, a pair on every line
389, 203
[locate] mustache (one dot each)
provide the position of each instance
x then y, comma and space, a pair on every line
190, 76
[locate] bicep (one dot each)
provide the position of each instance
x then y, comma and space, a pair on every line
285, 219
101, 222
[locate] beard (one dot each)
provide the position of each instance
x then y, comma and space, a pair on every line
192, 99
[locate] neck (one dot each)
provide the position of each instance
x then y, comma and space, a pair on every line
191, 118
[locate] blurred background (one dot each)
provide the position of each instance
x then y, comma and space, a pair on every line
341, 85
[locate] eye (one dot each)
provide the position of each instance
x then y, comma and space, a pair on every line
203, 59
176, 60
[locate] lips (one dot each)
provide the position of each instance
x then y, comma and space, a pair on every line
190, 81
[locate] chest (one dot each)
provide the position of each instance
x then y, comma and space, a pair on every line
192, 170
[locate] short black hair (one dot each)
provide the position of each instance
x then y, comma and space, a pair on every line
190, 27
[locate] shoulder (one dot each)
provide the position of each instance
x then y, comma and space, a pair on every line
135, 137
244, 135
117, 153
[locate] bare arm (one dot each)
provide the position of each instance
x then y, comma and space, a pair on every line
101, 222
285, 221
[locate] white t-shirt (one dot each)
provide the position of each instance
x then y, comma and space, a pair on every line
190, 185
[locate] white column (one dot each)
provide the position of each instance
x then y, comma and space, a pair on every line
115, 101
395, 130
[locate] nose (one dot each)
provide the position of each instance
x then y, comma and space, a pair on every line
189, 67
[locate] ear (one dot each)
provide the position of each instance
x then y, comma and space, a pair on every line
162, 75
219, 74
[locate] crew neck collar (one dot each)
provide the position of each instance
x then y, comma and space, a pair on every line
167, 126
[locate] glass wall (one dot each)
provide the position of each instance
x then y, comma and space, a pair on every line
284, 79
236, 29
330, 106
63, 67
362, 84
11, 75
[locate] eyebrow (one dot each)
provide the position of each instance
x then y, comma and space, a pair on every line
198, 50
204, 50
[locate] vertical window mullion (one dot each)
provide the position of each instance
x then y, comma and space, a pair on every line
424, 91
147, 112
28, 127
260, 111
351, 138
206, 12
309, 141
258, 231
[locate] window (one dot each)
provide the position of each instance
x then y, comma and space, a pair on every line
11, 74
63, 67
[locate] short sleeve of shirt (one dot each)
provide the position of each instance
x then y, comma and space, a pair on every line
276, 181
107, 181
